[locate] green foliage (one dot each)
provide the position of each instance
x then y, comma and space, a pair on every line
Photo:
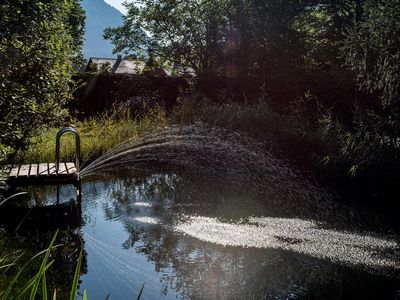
321, 30
37, 53
258, 119
31, 287
361, 150
100, 69
37, 285
372, 50
75, 23
105, 68
98, 135
182, 32
254, 36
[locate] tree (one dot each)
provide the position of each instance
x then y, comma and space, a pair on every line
372, 50
322, 27
37, 53
75, 22
182, 32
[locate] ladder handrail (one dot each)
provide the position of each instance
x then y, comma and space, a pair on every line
77, 146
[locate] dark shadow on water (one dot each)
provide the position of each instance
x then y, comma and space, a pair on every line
30, 222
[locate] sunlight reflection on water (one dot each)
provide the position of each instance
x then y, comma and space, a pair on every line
302, 236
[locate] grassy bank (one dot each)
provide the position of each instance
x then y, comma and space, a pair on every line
333, 154
98, 135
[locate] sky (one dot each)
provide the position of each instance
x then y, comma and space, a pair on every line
117, 4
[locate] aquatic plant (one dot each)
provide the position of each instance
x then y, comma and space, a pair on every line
31, 288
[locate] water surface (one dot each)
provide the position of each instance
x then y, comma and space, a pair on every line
190, 236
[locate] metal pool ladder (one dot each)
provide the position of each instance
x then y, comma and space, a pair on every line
47, 173
77, 147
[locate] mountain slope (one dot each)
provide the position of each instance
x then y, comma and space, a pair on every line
99, 15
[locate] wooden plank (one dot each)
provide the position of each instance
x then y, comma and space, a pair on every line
24, 171
43, 170
71, 168
62, 170
52, 169
14, 171
34, 170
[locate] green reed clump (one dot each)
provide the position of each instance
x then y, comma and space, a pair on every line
36, 287
98, 135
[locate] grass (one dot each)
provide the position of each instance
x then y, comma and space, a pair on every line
345, 159
294, 135
37, 285
98, 135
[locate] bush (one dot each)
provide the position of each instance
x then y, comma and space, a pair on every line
289, 135
36, 60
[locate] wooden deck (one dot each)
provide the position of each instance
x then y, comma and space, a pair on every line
42, 173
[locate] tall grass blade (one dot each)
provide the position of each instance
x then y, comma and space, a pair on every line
74, 288
20, 223
44, 286
7, 266
84, 295
42, 267
14, 280
12, 196
31, 283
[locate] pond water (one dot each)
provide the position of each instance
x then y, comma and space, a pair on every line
195, 236
197, 212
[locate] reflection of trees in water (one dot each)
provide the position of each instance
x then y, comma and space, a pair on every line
37, 230
199, 270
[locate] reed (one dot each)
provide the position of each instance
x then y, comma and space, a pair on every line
98, 135
37, 285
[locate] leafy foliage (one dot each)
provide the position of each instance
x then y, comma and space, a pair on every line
182, 32
372, 50
40, 41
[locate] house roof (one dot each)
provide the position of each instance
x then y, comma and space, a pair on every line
159, 72
98, 60
127, 66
